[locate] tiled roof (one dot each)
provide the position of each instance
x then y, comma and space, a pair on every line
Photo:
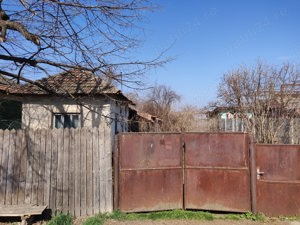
6, 85
74, 82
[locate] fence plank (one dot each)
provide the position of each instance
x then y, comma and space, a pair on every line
89, 173
5, 156
96, 172
41, 167
77, 181
71, 192
48, 160
2, 140
53, 173
35, 166
108, 169
10, 166
60, 168
29, 136
83, 173
16, 167
102, 170
65, 190
23, 167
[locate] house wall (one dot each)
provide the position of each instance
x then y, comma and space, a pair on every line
38, 112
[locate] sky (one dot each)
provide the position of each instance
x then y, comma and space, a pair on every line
210, 38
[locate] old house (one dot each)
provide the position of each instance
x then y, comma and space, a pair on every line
227, 119
139, 121
72, 99
275, 119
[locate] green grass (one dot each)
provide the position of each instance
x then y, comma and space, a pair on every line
163, 215
61, 219
248, 215
170, 215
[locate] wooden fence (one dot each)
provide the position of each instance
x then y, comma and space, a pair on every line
69, 170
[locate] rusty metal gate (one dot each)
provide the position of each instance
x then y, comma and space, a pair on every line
278, 179
217, 175
150, 172
174, 171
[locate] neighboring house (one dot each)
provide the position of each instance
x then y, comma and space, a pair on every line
143, 122
71, 100
227, 119
278, 119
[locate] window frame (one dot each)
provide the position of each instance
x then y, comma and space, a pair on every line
71, 121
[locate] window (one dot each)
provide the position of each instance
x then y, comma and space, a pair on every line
66, 121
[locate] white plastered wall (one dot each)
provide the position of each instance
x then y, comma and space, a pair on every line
38, 111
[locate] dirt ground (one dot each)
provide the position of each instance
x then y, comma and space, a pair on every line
196, 222
79, 221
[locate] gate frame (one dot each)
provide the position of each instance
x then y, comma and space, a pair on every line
250, 159
252, 165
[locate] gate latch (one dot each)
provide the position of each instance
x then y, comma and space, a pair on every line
259, 173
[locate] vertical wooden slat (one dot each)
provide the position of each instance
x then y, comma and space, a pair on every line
23, 167
2, 140
116, 173
102, 169
29, 135
89, 173
4, 165
96, 171
108, 169
66, 161
60, 167
83, 173
36, 145
77, 181
48, 162
53, 174
71, 153
10, 171
16, 167
42, 162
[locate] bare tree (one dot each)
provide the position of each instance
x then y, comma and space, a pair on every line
44, 37
189, 118
265, 97
159, 102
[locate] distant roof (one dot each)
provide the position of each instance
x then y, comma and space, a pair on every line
144, 115
74, 82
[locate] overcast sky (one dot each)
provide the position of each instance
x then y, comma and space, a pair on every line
210, 38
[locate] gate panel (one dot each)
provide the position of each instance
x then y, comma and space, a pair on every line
278, 179
217, 172
150, 172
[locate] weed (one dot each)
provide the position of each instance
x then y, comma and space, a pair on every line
96, 220
61, 219
255, 217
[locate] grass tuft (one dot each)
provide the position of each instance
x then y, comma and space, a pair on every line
61, 219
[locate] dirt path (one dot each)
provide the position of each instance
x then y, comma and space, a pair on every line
197, 222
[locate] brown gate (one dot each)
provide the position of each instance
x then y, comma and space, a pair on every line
217, 173
150, 172
151, 176
278, 179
